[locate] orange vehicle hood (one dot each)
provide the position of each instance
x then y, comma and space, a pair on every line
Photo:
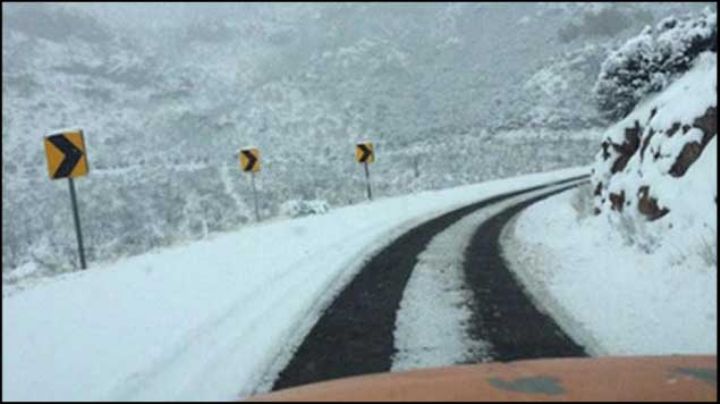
658, 378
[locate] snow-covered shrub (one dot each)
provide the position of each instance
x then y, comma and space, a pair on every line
650, 61
297, 208
679, 42
581, 201
625, 76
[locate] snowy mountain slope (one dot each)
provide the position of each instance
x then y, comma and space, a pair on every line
204, 320
165, 100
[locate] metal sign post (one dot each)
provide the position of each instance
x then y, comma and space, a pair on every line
255, 196
76, 216
365, 153
367, 180
250, 161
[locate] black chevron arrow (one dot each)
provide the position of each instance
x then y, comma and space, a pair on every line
251, 159
71, 152
366, 153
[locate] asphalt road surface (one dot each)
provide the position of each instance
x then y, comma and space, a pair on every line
354, 335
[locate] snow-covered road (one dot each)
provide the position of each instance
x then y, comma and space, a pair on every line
433, 321
356, 333
211, 320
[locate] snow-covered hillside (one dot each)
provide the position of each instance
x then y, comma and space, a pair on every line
166, 97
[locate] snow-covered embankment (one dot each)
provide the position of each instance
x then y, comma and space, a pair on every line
638, 274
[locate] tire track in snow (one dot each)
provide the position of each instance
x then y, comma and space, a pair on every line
433, 326
504, 314
431, 323
355, 334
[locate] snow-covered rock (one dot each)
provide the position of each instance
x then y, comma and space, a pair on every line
297, 208
656, 174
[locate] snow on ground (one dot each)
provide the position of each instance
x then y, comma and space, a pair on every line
609, 295
212, 320
431, 328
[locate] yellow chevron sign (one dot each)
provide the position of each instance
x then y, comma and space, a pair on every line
364, 153
66, 156
250, 160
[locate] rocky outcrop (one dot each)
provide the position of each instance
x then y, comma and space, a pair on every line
648, 205
707, 124
636, 141
644, 170
627, 148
